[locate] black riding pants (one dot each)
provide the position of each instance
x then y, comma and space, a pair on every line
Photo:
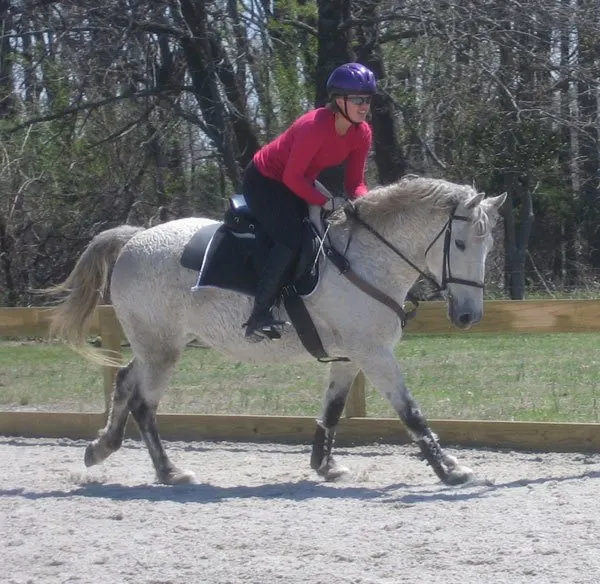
277, 209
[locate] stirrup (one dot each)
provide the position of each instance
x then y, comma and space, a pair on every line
265, 329
264, 332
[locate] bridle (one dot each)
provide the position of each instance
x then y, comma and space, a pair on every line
447, 278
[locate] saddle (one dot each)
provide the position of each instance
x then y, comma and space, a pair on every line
230, 255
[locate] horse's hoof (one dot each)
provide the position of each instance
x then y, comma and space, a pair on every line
179, 477
450, 461
332, 471
459, 475
94, 454
89, 459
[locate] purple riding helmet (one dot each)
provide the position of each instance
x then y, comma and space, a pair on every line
351, 78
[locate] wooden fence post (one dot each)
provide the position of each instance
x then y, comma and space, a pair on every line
111, 334
356, 404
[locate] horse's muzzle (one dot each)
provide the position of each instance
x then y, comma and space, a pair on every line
463, 317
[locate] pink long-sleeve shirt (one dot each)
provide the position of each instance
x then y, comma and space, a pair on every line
308, 146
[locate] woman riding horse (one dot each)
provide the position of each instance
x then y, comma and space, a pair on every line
279, 181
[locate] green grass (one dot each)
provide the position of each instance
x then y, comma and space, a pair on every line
550, 377
37, 375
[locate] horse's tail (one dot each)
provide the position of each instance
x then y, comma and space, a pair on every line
87, 284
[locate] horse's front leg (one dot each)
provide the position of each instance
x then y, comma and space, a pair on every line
341, 376
384, 373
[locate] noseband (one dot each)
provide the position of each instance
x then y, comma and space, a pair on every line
447, 278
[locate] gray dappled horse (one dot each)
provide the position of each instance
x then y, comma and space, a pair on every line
396, 233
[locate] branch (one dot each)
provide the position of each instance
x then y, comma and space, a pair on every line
188, 116
125, 130
423, 143
299, 25
399, 36
377, 20
85, 107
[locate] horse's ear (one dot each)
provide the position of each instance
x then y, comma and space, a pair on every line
474, 201
494, 203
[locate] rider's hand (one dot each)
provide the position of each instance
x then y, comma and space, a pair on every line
334, 203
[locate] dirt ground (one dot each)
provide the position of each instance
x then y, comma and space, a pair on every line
260, 516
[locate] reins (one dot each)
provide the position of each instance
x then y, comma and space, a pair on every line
343, 265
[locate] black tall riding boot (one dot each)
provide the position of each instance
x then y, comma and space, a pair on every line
261, 322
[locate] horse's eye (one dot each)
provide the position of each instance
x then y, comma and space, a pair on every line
460, 244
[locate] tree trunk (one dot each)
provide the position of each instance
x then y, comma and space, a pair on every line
201, 65
334, 43
389, 158
589, 137
567, 165
6, 61
9, 296
513, 174
333, 51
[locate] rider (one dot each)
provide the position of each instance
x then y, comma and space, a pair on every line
279, 182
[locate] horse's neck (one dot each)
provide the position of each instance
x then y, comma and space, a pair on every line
381, 266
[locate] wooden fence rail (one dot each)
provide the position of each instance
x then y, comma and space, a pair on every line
502, 316
548, 316
24, 322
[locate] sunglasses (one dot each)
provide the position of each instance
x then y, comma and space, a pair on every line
359, 99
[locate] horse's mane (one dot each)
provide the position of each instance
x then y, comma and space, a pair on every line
411, 193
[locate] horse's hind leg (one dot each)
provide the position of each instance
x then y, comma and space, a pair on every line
341, 376
110, 437
138, 388
155, 375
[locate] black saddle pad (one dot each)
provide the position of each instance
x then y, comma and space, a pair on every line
230, 260
193, 252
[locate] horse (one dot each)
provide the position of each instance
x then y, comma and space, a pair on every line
387, 239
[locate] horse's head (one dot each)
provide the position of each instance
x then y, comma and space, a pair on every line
457, 256
433, 226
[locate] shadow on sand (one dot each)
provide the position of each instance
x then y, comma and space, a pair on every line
399, 493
